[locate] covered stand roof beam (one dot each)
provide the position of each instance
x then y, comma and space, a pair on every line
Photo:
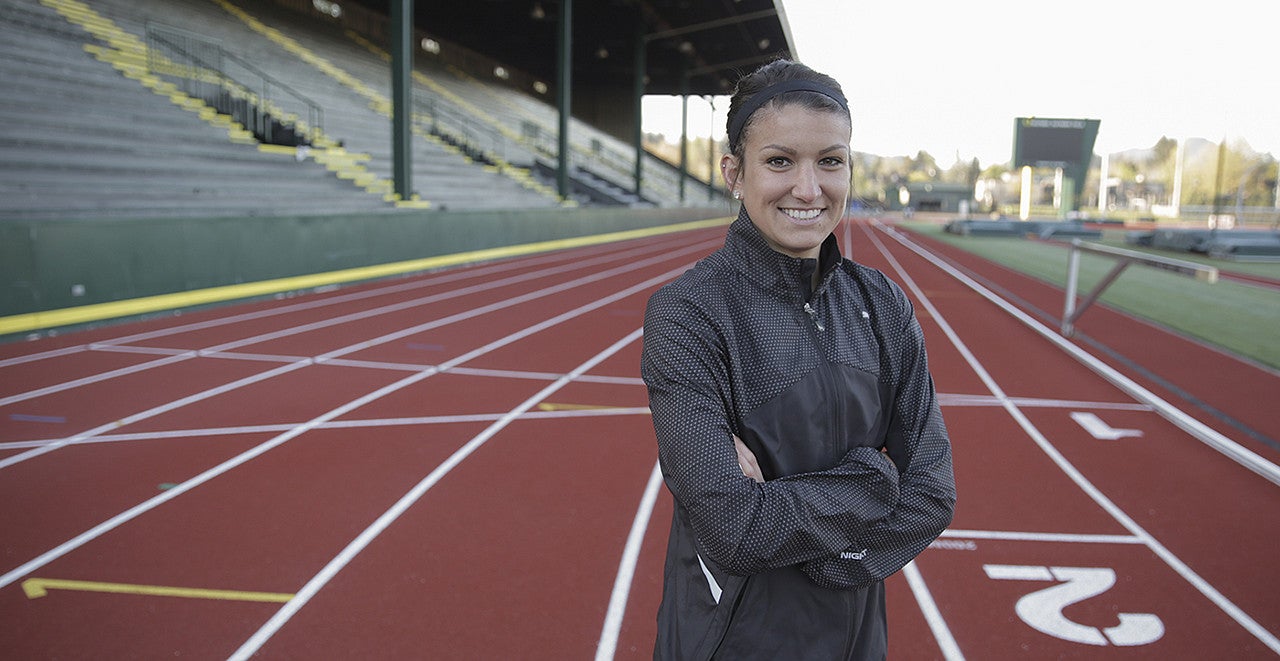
685, 74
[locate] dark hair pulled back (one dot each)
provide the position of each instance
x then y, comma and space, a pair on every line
780, 71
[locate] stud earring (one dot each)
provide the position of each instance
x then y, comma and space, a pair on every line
737, 195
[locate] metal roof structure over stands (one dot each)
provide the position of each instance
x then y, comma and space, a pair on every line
712, 40
686, 47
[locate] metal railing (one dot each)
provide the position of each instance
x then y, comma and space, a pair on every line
476, 138
1228, 216
203, 69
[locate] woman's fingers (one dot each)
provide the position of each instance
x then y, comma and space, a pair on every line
747, 460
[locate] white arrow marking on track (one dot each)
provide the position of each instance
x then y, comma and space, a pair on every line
1101, 430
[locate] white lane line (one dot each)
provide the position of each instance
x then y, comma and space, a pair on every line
1055, 537
1227, 606
180, 434
43, 355
186, 434
150, 504
944, 399
418, 282
947, 399
362, 541
227, 465
1173, 414
608, 644
149, 413
376, 364
157, 351
259, 357
458, 293
932, 616
331, 321
102, 376
359, 346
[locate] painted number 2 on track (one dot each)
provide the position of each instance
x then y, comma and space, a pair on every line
1042, 609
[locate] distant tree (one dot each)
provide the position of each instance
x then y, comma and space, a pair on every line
865, 185
1164, 163
1165, 150
996, 171
963, 173
1234, 173
923, 167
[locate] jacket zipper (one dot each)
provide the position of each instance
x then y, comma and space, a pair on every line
813, 314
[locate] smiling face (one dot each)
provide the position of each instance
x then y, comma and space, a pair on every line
793, 176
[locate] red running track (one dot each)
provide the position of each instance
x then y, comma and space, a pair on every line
460, 465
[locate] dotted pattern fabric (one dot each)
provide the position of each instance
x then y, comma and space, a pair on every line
732, 337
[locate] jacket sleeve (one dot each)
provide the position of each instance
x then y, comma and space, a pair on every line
917, 441
744, 526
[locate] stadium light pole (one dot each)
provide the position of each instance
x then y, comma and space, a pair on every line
564, 97
1277, 193
1178, 156
1276, 225
1024, 204
1102, 183
1217, 186
402, 97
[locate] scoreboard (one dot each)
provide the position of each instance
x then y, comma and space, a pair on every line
1054, 143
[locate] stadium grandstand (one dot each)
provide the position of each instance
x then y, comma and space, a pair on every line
154, 147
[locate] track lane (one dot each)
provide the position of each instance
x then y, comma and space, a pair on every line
385, 521
263, 460
969, 324
952, 572
37, 375
105, 380
248, 328
1176, 363
95, 408
182, 321
521, 571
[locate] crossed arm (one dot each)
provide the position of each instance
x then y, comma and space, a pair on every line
846, 527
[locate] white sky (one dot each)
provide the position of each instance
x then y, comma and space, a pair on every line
950, 76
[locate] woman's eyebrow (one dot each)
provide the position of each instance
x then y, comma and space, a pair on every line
791, 152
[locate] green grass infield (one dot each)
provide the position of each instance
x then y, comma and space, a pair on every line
1239, 318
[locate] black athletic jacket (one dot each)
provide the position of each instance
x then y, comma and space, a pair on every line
816, 384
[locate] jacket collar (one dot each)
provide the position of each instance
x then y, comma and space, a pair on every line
773, 271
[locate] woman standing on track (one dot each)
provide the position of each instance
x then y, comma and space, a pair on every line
795, 415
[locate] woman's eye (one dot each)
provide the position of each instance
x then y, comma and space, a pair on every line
778, 162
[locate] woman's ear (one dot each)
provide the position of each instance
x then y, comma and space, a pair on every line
731, 171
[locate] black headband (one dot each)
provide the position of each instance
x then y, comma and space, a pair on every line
762, 97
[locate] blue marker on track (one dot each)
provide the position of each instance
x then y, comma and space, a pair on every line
23, 417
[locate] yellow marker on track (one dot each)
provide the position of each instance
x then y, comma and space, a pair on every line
39, 587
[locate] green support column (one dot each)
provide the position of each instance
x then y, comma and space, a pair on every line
402, 96
637, 89
711, 151
684, 128
564, 95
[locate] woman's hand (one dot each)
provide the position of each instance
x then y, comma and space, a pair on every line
747, 461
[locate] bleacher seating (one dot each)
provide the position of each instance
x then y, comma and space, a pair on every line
82, 140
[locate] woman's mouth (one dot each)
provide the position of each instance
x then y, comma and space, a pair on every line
802, 216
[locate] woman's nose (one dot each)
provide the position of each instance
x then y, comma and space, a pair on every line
806, 185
